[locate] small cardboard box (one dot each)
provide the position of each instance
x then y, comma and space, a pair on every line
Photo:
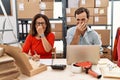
48, 13
71, 21
46, 5
100, 11
86, 3
26, 9
105, 36
56, 27
73, 3
101, 3
90, 20
58, 35
100, 20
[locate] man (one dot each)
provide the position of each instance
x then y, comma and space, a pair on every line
81, 34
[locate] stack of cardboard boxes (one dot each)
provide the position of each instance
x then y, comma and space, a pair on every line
8, 68
97, 8
26, 9
100, 12
57, 29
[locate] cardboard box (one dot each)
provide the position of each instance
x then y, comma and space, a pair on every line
6, 63
47, 0
101, 3
56, 27
73, 3
10, 75
86, 3
90, 20
46, 5
23, 62
27, 10
48, 13
100, 11
70, 11
8, 68
72, 20
24, 1
105, 36
58, 35
100, 20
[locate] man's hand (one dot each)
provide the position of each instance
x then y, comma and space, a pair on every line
36, 57
80, 29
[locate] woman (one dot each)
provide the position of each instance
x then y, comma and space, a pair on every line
40, 40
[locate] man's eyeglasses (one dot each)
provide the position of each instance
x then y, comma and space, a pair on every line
40, 23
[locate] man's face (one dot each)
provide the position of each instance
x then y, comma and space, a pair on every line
81, 18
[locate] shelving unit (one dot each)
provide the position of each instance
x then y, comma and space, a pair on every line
26, 22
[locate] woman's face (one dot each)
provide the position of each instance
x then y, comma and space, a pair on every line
41, 22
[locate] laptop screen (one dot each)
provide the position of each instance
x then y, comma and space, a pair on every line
81, 53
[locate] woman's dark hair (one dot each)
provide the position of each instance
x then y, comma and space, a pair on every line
81, 10
33, 31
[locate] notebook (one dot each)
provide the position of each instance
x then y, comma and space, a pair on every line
80, 53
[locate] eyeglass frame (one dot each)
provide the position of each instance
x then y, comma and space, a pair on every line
40, 23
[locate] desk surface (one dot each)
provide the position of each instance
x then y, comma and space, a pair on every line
66, 74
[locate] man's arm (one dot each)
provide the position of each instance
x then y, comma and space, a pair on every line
75, 39
80, 30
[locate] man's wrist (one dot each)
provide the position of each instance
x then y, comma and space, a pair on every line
42, 35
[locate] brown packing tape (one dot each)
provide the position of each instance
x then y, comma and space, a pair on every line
9, 71
8, 65
6, 59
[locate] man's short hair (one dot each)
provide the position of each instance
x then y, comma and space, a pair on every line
81, 10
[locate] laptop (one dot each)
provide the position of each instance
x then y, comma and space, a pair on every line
81, 53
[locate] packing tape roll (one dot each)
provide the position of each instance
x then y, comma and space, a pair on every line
76, 69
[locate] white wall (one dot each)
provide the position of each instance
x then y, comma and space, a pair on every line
116, 18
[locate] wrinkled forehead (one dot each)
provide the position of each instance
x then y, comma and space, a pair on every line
81, 15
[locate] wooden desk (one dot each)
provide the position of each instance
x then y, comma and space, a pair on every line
65, 74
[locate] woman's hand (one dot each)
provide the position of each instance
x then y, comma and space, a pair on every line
40, 30
36, 57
